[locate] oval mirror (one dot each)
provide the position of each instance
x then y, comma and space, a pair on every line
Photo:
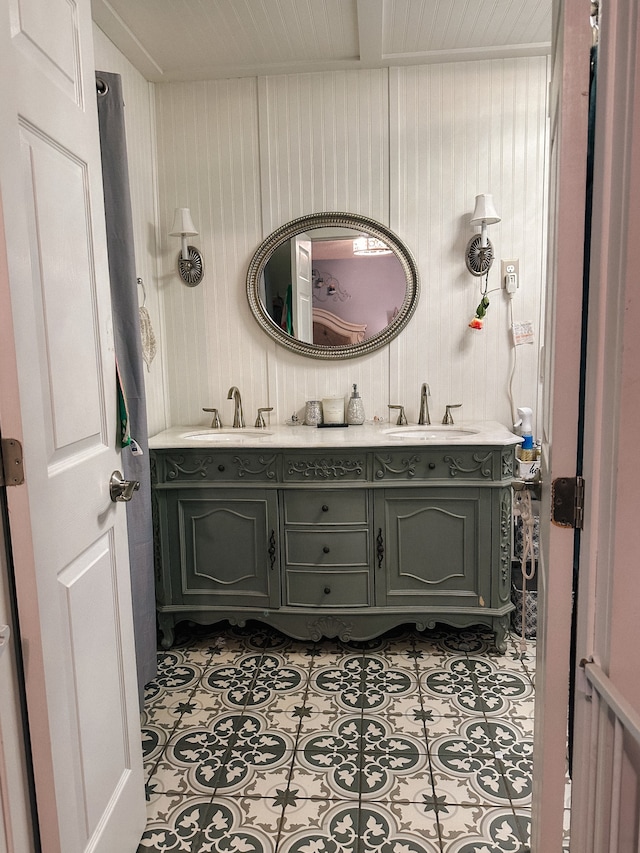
332, 285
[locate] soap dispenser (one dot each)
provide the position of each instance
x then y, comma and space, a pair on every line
355, 408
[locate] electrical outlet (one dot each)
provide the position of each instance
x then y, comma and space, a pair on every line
510, 271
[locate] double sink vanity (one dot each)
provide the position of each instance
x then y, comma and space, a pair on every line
343, 532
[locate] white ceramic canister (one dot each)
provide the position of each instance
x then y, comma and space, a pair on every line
333, 410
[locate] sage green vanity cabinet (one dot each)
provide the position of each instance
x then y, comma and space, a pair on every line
334, 544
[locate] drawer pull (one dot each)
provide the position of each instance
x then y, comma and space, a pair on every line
325, 508
432, 465
326, 549
220, 467
327, 590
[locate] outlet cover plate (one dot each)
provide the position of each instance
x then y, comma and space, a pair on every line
507, 267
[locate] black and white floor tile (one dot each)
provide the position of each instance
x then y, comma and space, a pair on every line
411, 743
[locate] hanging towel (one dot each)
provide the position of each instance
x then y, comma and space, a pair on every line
149, 347
147, 335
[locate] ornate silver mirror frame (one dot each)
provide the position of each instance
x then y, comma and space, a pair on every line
329, 220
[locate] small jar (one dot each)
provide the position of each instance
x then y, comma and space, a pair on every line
313, 412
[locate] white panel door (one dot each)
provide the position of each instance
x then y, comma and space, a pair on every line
74, 596
301, 283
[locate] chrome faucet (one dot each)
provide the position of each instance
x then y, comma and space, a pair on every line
238, 417
425, 392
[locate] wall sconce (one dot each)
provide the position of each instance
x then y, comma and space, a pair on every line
479, 254
190, 265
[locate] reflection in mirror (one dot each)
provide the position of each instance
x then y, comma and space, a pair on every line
332, 285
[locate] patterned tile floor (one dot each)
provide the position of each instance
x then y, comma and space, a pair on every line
411, 743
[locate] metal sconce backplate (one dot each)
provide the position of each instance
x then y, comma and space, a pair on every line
191, 269
479, 259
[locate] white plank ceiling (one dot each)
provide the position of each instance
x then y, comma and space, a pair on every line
183, 40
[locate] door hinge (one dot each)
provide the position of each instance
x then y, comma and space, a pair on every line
11, 468
567, 502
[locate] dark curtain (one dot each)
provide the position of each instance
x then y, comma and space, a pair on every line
128, 346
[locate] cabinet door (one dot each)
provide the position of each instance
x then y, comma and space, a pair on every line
222, 547
433, 547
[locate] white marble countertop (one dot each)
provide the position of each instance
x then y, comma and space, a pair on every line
465, 433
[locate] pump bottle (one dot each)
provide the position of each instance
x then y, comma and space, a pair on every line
355, 408
528, 451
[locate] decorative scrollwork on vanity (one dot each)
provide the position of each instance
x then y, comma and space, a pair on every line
482, 465
264, 466
326, 469
176, 466
505, 539
408, 466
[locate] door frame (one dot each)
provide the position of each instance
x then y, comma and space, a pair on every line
21, 549
608, 629
568, 108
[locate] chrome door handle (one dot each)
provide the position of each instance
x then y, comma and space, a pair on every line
121, 489
5, 634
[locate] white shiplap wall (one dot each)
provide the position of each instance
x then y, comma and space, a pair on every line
410, 147
140, 133
457, 130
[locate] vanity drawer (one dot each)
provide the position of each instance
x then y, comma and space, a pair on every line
327, 589
480, 464
326, 547
325, 507
214, 466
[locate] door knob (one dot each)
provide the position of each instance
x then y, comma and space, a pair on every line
121, 489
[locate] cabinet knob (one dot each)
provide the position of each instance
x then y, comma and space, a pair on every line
327, 590
432, 465
326, 549
325, 508
220, 467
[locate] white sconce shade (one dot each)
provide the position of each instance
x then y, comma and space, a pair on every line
485, 210
183, 223
190, 267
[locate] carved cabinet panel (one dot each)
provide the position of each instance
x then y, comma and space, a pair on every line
437, 546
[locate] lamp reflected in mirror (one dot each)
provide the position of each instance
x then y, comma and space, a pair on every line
370, 246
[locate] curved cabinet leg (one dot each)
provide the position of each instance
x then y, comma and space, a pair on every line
166, 624
501, 628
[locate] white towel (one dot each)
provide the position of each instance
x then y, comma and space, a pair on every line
149, 347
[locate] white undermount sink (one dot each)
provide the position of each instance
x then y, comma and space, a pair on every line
435, 432
214, 436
